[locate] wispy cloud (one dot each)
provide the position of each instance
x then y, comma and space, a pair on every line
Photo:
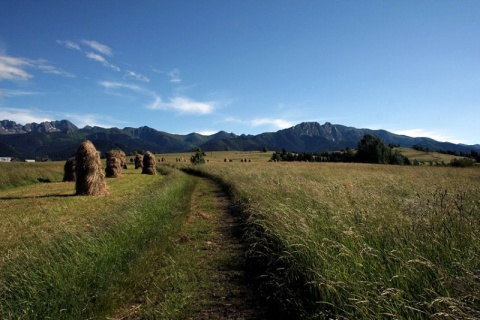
69, 44
11, 68
180, 104
136, 76
98, 54
24, 116
99, 47
174, 76
16, 93
421, 133
14, 68
184, 105
258, 122
96, 57
278, 123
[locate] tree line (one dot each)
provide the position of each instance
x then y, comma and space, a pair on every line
370, 149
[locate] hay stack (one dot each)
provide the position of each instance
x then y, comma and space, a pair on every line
138, 161
69, 170
114, 164
123, 159
149, 164
90, 180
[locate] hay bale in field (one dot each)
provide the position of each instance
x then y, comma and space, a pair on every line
149, 164
114, 164
138, 161
123, 159
90, 180
69, 170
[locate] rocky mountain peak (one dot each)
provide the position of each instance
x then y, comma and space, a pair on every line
11, 127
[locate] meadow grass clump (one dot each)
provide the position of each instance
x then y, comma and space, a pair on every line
362, 241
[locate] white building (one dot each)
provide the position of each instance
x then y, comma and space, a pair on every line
5, 159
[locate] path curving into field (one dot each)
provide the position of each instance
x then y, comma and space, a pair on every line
230, 293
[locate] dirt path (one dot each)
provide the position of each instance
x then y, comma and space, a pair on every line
229, 293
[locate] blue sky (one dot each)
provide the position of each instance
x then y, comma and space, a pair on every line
410, 67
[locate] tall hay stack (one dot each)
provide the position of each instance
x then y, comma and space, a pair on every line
138, 161
149, 164
90, 180
123, 159
69, 170
114, 164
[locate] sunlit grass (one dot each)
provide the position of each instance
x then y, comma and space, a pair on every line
14, 174
67, 256
363, 241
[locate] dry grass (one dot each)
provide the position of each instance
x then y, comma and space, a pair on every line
114, 163
149, 164
427, 157
363, 241
69, 170
138, 161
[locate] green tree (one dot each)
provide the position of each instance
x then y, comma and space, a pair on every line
371, 149
198, 157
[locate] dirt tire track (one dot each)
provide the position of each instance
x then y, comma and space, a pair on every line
233, 295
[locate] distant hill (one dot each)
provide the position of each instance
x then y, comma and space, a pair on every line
59, 139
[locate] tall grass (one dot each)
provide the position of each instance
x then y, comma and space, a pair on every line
81, 266
362, 241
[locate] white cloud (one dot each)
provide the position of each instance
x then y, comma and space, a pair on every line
422, 133
207, 132
24, 116
178, 103
96, 57
115, 85
277, 123
46, 68
184, 105
13, 68
97, 46
69, 44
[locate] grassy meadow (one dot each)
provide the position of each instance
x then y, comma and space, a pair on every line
74, 257
361, 241
326, 240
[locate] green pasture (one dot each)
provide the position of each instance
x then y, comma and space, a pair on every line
324, 240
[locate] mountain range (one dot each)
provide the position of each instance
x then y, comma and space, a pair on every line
59, 139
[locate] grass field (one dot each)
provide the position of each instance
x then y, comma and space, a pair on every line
362, 241
71, 257
329, 240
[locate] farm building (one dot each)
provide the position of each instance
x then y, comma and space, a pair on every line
5, 159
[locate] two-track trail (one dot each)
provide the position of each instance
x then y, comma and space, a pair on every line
213, 230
